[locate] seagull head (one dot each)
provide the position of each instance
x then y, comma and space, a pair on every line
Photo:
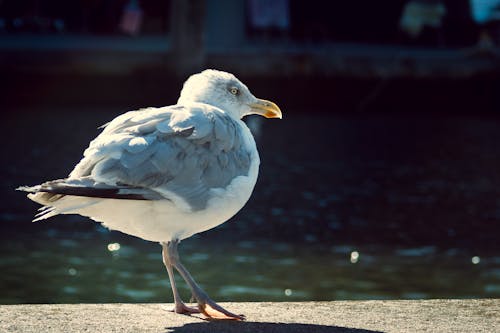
225, 91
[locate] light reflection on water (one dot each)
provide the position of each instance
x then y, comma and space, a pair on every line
85, 270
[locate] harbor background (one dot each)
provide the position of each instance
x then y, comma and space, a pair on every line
381, 181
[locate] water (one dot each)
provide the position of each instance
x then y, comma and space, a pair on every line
346, 207
83, 269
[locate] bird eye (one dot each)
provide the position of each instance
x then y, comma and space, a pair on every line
235, 91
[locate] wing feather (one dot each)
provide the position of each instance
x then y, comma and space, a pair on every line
180, 152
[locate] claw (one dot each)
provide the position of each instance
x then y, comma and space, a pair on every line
184, 309
215, 311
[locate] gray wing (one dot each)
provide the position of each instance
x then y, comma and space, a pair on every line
178, 152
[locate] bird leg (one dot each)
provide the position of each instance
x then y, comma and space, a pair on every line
179, 306
206, 305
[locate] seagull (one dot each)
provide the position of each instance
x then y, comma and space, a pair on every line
164, 174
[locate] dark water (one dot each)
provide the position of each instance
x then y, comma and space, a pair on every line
347, 207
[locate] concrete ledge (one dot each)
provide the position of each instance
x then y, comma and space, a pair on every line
324, 317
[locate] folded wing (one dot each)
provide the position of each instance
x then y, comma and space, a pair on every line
178, 153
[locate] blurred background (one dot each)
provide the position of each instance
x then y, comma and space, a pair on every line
381, 181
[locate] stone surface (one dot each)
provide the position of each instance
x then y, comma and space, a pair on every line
324, 317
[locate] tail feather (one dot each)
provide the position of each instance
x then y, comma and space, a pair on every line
71, 196
48, 211
67, 205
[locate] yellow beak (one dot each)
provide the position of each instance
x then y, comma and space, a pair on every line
266, 109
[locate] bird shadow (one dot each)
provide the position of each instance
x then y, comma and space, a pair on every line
262, 327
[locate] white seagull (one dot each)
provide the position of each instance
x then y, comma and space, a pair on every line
164, 174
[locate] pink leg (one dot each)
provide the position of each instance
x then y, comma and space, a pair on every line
206, 305
179, 306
